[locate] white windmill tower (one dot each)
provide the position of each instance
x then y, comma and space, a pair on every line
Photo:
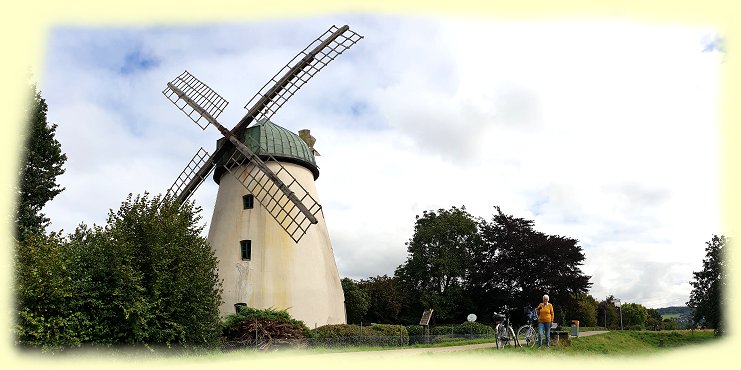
275, 252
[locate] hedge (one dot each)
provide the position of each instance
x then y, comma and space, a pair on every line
374, 335
474, 328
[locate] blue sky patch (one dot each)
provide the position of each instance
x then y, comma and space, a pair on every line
537, 207
137, 61
358, 108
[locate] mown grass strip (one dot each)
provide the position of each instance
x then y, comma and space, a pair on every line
616, 343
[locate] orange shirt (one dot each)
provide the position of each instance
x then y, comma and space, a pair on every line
545, 313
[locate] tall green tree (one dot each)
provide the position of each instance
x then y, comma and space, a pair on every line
357, 301
706, 298
438, 262
147, 277
384, 297
42, 162
516, 264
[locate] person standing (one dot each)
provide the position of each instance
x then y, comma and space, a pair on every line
545, 320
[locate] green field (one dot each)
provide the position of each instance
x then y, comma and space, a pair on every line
621, 343
670, 316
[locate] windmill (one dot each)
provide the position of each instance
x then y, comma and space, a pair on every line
276, 253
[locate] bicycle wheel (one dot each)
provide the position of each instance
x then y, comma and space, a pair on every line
527, 336
499, 335
502, 336
512, 336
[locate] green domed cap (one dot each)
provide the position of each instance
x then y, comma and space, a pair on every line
277, 141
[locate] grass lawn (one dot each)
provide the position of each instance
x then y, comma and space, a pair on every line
621, 343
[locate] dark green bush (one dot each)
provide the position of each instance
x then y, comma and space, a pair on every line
441, 330
415, 329
473, 328
387, 330
635, 327
343, 334
668, 325
335, 331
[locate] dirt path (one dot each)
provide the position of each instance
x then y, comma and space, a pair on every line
417, 351
588, 333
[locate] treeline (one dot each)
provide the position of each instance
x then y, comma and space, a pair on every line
635, 317
675, 310
459, 264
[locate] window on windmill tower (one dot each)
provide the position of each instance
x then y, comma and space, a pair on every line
246, 248
248, 201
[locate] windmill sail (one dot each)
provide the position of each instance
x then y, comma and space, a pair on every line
200, 160
289, 204
207, 104
297, 72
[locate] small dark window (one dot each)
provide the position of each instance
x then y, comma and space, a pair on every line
248, 201
246, 247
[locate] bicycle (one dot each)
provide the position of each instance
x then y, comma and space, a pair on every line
527, 332
504, 334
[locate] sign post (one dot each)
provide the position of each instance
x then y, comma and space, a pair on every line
425, 321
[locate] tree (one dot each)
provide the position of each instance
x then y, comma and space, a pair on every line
635, 316
45, 293
148, 277
516, 265
384, 299
43, 161
607, 314
706, 298
438, 262
357, 301
654, 319
585, 310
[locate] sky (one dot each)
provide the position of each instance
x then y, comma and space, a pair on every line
606, 131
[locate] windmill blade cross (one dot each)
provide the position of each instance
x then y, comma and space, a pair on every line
194, 110
328, 46
200, 103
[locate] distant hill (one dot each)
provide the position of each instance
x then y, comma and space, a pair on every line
676, 310
682, 314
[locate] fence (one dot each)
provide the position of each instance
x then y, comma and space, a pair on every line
349, 341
